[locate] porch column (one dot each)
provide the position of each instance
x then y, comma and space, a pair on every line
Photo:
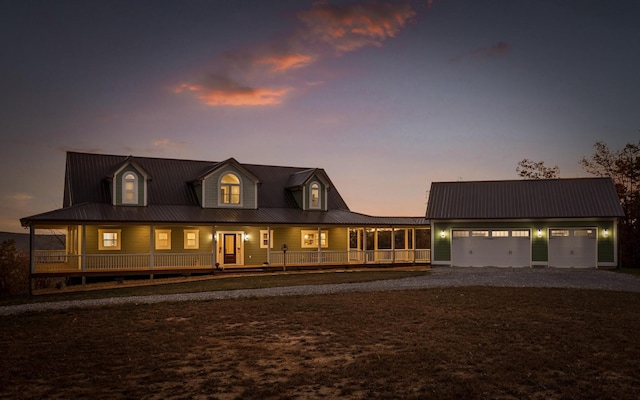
364, 245
214, 245
393, 245
319, 245
32, 261
413, 243
152, 247
83, 257
268, 245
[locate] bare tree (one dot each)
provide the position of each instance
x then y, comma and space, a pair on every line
537, 170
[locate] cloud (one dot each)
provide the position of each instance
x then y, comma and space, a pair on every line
324, 30
497, 50
349, 27
169, 144
19, 197
218, 90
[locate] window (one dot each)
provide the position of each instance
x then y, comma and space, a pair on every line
460, 234
500, 234
264, 239
480, 233
559, 232
163, 239
230, 189
310, 239
108, 239
129, 188
314, 191
521, 233
191, 239
583, 233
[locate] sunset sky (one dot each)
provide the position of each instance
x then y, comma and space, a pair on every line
386, 96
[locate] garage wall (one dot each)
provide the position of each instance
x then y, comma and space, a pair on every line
441, 247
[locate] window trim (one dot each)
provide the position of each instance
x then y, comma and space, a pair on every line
118, 239
157, 244
314, 245
186, 244
221, 202
263, 245
313, 187
133, 191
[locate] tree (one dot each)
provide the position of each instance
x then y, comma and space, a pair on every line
537, 170
623, 166
14, 269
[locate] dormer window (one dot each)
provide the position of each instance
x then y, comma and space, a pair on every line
130, 188
230, 189
314, 191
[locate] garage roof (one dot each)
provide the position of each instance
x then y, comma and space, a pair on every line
517, 199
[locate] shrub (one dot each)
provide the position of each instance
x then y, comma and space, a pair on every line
14, 269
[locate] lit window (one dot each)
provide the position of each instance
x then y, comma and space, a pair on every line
522, 233
108, 239
130, 188
500, 234
480, 233
559, 232
191, 239
459, 234
230, 189
583, 233
163, 239
310, 239
264, 239
315, 195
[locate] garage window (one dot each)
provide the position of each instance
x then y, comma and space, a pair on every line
500, 234
520, 233
583, 232
559, 232
480, 233
460, 234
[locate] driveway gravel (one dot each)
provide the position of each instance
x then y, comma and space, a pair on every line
439, 277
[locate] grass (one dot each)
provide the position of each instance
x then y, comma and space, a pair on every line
214, 283
507, 343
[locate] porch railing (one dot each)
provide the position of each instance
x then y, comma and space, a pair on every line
57, 261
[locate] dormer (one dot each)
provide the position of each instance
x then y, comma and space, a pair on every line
128, 184
309, 189
228, 185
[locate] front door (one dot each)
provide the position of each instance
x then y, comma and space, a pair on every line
229, 248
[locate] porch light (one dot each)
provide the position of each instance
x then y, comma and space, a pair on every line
442, 233
605, 233
246, 237
539, 232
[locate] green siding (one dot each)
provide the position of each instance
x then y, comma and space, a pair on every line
205, 239
247, 191
539, 246
119, 188
133, 239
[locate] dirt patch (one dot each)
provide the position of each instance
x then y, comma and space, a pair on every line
464, 343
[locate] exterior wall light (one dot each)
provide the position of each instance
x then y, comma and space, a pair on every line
246, 237
605, 233
442, 233
539, 232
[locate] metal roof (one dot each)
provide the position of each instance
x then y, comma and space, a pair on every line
544, 198
172, 197
184, 214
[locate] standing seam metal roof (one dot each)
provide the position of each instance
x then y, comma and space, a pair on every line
545, 198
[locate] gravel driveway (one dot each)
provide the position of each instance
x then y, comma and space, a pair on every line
439, 277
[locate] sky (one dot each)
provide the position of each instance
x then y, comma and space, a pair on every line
386, 96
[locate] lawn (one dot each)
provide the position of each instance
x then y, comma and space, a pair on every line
508, 343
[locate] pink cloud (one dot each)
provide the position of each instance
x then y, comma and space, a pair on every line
223, 92
350, 27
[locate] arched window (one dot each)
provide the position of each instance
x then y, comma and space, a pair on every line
314, 191
230, 189
130, 188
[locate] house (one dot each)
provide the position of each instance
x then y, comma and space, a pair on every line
525, 223
140, 215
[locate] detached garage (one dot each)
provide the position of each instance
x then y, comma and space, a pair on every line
556, 222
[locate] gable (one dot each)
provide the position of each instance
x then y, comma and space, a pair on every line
545, 198
213, 194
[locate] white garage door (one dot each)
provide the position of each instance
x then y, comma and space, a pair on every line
490, 248
573, 247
